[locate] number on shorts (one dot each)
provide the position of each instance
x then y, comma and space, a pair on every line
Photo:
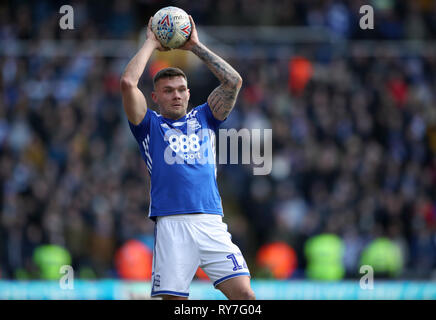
235, 262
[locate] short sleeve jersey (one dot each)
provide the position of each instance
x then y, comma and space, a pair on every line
180, 158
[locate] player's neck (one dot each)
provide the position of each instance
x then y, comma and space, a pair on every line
172, 116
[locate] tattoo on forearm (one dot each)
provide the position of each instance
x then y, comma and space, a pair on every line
223, 98
222, 101
220, 68
216, 102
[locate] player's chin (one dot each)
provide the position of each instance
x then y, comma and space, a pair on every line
176, 107
177, 111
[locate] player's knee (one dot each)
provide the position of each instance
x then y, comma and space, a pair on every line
250, 295
246, 294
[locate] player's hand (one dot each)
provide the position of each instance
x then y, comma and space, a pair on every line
151, 38
193, 39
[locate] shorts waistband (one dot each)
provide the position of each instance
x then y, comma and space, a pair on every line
190, 217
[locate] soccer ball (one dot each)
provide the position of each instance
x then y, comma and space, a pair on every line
171, 26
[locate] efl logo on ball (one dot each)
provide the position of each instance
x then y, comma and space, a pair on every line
171, 26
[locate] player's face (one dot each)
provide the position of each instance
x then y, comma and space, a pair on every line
172, 96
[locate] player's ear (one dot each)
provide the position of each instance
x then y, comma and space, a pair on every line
154, 96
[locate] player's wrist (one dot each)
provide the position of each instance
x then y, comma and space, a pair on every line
197, 44
197, 47
150, 43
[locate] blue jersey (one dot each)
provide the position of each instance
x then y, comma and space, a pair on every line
180, 158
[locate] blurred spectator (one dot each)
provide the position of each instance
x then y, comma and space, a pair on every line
325, 254
300, 71
133, 261
384, 256
200, 274
277, 259
49, 259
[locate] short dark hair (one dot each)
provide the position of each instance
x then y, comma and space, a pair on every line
168, 73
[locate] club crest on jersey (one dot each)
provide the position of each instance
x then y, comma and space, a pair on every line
193, 124
156, 281
191, 114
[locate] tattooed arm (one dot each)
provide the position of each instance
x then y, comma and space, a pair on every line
222, 99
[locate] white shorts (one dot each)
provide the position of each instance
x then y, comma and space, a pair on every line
185, 242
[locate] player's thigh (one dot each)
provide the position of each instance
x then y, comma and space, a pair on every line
175, 258
237, 288
220, 258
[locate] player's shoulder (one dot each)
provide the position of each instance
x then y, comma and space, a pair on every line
204, 113
198, 110
154, 114
148, 115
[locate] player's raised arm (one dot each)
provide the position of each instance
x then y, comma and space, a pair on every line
223, 98
134, 102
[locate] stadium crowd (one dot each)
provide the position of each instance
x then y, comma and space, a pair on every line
354, 137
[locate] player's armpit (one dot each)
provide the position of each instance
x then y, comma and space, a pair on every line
134, 103
222, 100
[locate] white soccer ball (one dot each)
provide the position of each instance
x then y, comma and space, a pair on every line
171, 26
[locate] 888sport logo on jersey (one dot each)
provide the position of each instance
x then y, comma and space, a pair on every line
192, 147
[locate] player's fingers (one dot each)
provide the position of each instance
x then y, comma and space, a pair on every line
149, 22
162, 48
192, 22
